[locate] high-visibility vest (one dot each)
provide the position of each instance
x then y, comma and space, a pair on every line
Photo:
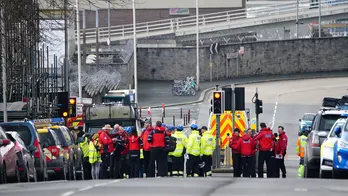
141, 153
194, 144
181, 142
208, 143
84, 147
93, 154
300, 146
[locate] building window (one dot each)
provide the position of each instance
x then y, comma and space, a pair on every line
179, 11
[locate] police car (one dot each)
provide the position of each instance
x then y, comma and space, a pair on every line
334, 150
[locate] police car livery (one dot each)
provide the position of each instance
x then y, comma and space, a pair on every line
334, 150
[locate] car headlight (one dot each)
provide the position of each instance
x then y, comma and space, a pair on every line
339, 158
342, 144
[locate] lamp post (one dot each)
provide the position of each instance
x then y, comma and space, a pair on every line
297, 2
109, 15
319, 18
135, 55
3, 63
78, 48
197, 43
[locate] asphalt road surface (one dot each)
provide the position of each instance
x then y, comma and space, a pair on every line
284, 102
181, 186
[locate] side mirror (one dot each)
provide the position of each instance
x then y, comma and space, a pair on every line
322, 134
4, 142
32, 148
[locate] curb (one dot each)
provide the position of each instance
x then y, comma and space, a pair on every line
205, 92
230, 170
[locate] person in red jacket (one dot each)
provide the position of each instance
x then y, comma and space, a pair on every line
236, 157
266, 144
251, 133
146, 147
280, 152
247, 150
158, 153
135, 144
107, 147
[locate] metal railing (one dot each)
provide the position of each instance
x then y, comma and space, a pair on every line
240, 16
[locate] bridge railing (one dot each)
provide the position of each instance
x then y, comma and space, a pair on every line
173, 25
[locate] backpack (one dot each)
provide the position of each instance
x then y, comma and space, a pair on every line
170, 144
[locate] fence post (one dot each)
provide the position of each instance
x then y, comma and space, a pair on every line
174, 121
184, 119
188, 116
180, 113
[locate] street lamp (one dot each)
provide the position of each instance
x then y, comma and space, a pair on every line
319, 18
78, 49
135, 55
109, 15
197, 43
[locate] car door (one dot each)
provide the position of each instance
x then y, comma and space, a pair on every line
327, 148
9, 155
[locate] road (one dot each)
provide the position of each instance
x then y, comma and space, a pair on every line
292, 99
181, 186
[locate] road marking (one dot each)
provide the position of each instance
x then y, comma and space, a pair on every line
275, 111
301, 189
69, 193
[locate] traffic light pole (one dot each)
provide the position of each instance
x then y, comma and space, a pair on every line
257, 115
217, 141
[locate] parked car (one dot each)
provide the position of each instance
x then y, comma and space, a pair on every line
68, 144
322, 124
25, 156
306, 120
330, 151
30, 137
10, 160
57, 164
3, 178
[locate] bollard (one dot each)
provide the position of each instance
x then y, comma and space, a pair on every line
174, 121
162, 119
188, 116
180, 113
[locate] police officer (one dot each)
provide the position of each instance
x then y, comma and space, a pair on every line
84, 145
208, 145
178, 154
193, 151
300, 149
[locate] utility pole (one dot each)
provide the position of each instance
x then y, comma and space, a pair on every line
3, 64
135, 55
66, 56
78, 48
197, 43
97, 36
84, 37
297, 4
109, 15
319, 18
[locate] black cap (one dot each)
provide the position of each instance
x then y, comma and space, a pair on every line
204, 128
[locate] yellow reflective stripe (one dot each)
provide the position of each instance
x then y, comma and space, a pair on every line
329, 144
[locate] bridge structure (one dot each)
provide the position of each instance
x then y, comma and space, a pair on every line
229, 21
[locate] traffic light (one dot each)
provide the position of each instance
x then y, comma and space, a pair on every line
63, 104
72, 106
218, 102
258, 106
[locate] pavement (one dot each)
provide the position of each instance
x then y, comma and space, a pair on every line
181, 186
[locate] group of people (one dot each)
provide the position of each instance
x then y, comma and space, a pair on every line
271, 147
161, 150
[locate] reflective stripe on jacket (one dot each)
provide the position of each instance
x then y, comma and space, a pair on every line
84, 147
194, 144
300, 146
208, 143
181, 143
94, 155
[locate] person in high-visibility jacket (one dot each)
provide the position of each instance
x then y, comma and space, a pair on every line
83, 144
193, 150
94, 156
178, 154
300, 149
208, 145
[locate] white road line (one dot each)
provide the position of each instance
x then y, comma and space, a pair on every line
275, 112
69, 193
301, 189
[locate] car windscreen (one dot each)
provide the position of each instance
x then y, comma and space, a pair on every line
327, 121
22, 130
47, 137
308, 117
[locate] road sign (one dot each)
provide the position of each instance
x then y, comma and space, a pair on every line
214, 48
241, 50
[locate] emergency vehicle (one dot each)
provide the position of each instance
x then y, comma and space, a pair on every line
76, 122
120, 96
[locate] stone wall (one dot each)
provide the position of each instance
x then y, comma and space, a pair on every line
260, 58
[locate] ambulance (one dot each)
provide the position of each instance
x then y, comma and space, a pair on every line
76, 122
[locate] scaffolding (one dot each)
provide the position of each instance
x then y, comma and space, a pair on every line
31, 78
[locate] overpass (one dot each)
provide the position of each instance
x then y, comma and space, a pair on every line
224, 21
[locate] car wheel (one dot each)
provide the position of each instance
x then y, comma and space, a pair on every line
4, 174
25, 175
335, 174
72, 171
325, 174
34, 175
62, 174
